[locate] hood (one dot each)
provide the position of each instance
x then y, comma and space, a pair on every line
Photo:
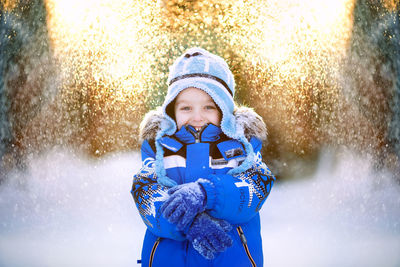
246, 119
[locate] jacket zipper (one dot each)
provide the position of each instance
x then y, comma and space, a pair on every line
197, 134
244, 243
153, 251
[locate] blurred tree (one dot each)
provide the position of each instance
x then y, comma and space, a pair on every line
23, 64
374, 83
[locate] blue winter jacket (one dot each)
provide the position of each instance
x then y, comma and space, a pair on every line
235, 198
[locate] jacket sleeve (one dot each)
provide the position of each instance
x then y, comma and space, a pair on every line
237, 198
149, 196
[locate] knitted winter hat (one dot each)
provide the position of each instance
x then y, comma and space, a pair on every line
200, 69
203, 70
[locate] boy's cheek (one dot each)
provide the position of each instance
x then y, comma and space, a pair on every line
179, 123
218, 120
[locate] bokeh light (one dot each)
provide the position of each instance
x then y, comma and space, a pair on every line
294, 62
121, 50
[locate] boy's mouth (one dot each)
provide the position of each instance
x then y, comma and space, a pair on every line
198, 128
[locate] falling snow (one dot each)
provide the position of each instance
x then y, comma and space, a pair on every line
78, 76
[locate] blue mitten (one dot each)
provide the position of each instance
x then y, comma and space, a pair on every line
184, 203
209, 235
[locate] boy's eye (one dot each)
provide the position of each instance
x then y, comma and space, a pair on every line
210, 107
185, 108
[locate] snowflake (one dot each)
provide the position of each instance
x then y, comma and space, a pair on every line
148, 167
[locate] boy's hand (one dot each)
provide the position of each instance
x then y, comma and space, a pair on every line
184, 203
209, 235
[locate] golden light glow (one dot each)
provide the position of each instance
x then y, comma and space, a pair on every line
285, 54
122, 34
8, 4
107, 37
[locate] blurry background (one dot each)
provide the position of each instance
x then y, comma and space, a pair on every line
76, 78
321, 73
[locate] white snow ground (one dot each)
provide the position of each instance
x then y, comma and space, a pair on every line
65, 210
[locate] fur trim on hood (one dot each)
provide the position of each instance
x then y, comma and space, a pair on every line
246, 118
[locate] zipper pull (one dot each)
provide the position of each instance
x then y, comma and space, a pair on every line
242, 236
197, 136
243, 239
195, 133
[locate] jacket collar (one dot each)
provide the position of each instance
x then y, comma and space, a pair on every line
208, 133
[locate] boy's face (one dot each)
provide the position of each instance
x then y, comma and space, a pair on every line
195, 107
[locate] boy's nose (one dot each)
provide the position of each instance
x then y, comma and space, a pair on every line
197, 116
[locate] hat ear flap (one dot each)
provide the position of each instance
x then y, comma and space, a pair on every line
228, 125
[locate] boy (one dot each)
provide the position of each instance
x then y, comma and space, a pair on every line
202, 181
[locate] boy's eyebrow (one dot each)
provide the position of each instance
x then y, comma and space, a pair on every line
180, 102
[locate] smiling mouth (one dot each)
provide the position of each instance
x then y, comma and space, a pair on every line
198, 128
